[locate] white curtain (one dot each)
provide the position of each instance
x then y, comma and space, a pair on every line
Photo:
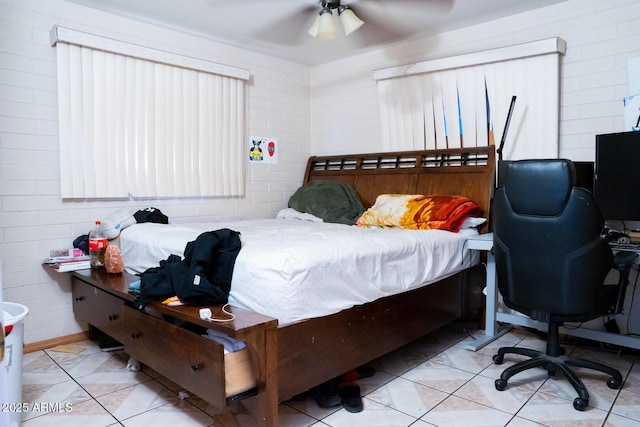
464, 101
140, 128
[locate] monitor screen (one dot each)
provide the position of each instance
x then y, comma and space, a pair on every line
617, 175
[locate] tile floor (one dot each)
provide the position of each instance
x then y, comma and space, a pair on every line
431, 382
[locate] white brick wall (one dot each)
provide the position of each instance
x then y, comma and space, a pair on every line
327, 109
33, 218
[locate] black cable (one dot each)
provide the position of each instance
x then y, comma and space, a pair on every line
572, 327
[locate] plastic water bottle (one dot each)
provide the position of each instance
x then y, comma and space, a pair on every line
97, 247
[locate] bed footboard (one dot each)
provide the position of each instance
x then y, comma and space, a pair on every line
316, 350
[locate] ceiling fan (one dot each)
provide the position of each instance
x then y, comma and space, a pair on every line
369, 22
376, 13
324, 26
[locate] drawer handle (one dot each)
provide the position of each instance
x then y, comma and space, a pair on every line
195, 367
135, 336
78, 299
113, 317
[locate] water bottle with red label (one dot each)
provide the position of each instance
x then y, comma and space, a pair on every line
97, 247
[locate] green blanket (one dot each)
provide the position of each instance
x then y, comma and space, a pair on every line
332, 201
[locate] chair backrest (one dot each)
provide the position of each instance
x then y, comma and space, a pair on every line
550, 259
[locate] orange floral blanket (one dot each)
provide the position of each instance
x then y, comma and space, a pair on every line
419, 212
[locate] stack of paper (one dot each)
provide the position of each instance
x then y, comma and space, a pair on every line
67, 263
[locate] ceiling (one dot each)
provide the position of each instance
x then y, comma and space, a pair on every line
279, 27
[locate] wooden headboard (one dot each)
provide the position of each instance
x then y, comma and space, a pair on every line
468, 172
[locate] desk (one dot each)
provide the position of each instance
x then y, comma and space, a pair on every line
484, 242
492, 331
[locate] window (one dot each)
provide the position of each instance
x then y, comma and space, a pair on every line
138, 122
461, 100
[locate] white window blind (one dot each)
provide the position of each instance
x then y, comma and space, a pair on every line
463, 101
138, 122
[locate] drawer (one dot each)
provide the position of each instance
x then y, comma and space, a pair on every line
98, 308
186, 358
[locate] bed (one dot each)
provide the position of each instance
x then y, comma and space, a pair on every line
314, 342
295, 270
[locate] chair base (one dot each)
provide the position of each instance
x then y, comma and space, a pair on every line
553, 364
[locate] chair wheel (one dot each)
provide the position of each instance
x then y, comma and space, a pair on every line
580, 404
614, 383
497, 359
500, 384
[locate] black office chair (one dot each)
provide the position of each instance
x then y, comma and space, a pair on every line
551, 262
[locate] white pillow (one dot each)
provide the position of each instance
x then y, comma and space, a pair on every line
290, 213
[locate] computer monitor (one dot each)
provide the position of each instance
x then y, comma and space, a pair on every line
617, 175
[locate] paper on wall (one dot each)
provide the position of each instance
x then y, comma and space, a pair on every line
632, 102
632, 113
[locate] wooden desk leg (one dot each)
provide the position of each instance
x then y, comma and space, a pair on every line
492, 329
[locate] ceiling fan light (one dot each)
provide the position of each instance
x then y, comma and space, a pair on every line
326, 26
314, 27
350, 22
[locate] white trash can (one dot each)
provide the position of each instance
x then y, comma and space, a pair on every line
13, 322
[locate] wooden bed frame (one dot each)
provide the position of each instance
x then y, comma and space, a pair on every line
372, 330
291, 359
316, 350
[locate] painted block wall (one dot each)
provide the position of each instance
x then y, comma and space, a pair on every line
33, 217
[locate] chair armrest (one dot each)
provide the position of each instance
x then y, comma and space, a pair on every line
623, 260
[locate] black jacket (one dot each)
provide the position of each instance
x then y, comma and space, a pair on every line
203, 277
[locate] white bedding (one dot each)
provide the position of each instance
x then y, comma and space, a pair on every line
294, 270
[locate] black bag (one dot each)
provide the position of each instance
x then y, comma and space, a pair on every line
151, 215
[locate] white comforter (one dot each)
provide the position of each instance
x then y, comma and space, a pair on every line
294, 270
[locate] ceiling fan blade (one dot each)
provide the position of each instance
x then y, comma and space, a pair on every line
388, 21
289, 30
374, 35
378, 30
434, 5
225, 3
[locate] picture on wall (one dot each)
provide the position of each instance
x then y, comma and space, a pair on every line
263, 150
